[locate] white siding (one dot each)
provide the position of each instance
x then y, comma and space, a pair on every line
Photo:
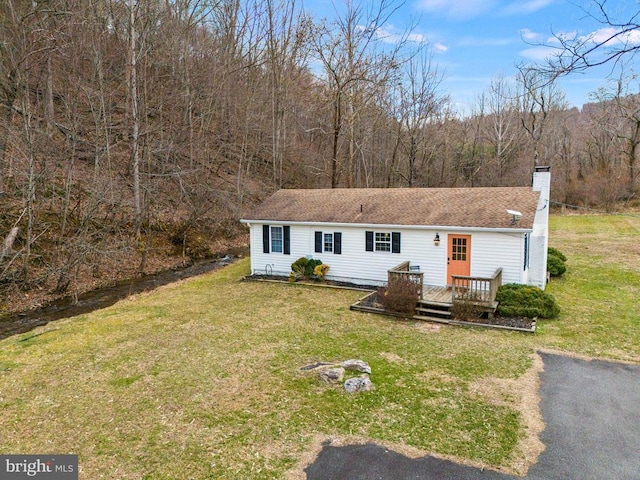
489, 251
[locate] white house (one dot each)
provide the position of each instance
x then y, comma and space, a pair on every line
362, 233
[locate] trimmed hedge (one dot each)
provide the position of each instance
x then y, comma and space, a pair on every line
525, 301
554, 251
555, 266
556, 262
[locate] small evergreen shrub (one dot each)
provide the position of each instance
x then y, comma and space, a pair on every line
304, 267
525, 301
555, 266
557, 253
556, 262
401, 296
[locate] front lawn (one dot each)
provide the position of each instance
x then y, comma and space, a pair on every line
201, 379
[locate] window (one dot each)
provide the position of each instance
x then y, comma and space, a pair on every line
276, 239
383, 242
328, 242
526, 251
459, 249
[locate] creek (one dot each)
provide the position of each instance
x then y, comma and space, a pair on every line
66, 307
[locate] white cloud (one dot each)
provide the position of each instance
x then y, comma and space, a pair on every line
612, 36
456, 9
530, 36
440, 48
389, 34
539, 53
526, 7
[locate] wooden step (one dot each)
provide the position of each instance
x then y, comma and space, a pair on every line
432, 312
429, 303
427, 318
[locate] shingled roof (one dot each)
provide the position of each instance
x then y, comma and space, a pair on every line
454, 207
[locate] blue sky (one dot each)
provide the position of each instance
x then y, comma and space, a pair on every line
474, 41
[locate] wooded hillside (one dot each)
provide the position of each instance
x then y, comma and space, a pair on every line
132, 132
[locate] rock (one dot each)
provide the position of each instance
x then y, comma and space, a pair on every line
331, 375
316, 366
354, 365
358, 384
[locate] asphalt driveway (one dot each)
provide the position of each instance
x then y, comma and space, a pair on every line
591, 410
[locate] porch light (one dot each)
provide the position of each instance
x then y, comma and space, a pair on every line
436, 239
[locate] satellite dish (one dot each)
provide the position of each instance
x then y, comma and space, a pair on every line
515, 216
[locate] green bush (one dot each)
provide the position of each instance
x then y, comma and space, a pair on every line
401, 295
555, 266
525, 301
557, 253
304, 267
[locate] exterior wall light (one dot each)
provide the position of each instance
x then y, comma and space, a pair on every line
436, 239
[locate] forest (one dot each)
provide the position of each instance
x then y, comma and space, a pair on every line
134, 134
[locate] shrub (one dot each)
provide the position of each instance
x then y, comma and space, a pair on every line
466, 306
299, 265
555, 266
401, 295
557, 253
525, 301
304, 267
321, 270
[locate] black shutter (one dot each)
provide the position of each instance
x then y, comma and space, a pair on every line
395, 242
526, 250
286, 233
368, 241
337, 243
318, 242
265, 239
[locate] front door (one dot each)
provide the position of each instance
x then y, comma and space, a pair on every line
458, 256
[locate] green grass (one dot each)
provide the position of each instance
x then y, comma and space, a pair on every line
202, 380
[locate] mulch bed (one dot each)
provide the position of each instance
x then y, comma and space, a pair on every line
514, 323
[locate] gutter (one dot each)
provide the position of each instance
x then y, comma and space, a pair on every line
451, 228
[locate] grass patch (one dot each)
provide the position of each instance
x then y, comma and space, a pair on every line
201, 379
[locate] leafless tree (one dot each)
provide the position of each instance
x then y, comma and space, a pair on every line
615, 42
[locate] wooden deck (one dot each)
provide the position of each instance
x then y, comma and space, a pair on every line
433, 294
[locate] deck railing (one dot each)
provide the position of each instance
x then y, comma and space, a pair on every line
404, 271
479, 290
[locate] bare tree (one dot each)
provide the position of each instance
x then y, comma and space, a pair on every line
419, 102
538, 98
613, 43
348, 49
501, 129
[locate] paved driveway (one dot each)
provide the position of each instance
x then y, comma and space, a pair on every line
592, 414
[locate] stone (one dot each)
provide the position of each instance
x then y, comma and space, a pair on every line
358, 384
331, 375
354, 365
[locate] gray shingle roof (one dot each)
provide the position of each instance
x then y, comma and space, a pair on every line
455, 207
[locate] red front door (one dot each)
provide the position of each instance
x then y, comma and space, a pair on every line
458, 256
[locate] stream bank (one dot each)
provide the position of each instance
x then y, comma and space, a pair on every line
22, 322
